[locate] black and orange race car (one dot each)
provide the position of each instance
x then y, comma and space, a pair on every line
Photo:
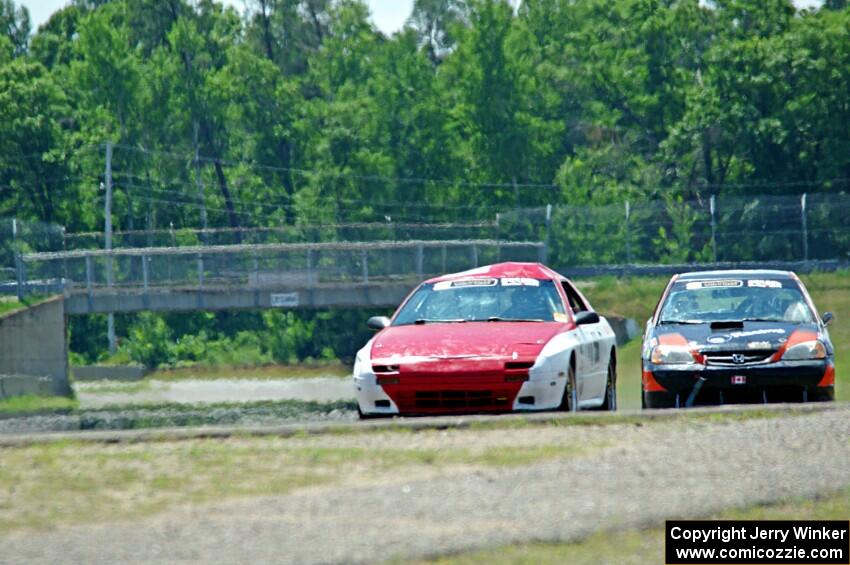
740, 336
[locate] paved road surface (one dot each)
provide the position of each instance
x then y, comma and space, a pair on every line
650, 473
317, 389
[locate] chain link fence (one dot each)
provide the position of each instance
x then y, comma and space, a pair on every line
298, 233
261, 266
764, 228
752, 229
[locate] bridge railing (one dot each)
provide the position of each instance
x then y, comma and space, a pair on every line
296, 265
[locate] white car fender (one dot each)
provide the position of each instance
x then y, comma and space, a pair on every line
547, 378
366, 388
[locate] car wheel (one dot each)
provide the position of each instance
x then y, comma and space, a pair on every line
569, 401
610, 402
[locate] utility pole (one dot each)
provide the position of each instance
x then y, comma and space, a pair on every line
107, 230
199, 182
628, 234
712, 208
805, 230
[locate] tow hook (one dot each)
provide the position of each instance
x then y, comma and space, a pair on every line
693, 396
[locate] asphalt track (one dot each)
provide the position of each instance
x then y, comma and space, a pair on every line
646, 474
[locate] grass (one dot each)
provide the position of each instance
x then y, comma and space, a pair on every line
31, 403
629, 297
11, 303
636, 546
831, 293
101, 483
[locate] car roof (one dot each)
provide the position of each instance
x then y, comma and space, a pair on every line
504, 270
736, 273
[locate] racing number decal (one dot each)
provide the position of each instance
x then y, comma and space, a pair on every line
596, 346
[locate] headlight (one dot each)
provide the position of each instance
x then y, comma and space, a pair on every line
807, 350
671, 355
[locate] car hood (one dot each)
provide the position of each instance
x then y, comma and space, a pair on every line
467, 340
753, 335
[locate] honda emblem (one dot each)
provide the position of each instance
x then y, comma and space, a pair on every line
738, 358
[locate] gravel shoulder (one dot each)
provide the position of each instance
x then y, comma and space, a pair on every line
642, 474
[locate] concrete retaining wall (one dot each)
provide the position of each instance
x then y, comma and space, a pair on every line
33, 351
109, 372
625, 329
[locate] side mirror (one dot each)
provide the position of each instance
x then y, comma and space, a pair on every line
377, 323
827, 318
586, 317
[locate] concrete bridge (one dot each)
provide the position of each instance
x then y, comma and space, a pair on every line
255, 276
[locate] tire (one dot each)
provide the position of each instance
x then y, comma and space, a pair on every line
569, 401
610, 402
655, 400
822, 394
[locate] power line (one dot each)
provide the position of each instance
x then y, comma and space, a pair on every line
328, 198
357, 176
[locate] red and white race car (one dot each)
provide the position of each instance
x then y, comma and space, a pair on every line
510, 336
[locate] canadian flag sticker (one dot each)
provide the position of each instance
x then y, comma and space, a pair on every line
739, 380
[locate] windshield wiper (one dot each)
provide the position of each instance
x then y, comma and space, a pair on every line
681, 322
421, 321
500, 319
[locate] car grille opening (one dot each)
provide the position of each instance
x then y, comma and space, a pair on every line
456, 400
737, 358
519, 365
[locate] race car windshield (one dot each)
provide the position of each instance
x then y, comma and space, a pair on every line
696, 302
484, 300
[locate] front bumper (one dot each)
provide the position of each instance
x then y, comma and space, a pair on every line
672, 385
457, 393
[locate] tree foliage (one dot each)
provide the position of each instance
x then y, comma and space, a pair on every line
301, 111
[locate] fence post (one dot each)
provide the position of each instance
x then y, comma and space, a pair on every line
107, 221
420, 260
200, 280
364, 257
711, 207
474, 255
544, 254
310, 267
19, 274
65, 275
145, 281
498, 239
255, 263
90, 282
19, 264
173, 244
805, 227
628, 234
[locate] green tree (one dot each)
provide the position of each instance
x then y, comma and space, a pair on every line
15, 25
